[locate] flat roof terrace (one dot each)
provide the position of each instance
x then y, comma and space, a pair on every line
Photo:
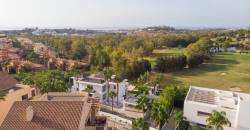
92, 80
203, 96
221, 98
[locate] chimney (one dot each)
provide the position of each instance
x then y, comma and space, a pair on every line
29, 113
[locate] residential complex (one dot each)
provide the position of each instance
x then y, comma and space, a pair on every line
4, 41
201, 102
64, 111
40, 48
26, 43
100, 87
14, 92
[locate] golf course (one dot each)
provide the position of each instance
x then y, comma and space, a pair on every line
228, 71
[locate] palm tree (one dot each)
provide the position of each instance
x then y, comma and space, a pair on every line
142, 103
112, 95
163, 106
160, 111
89, 89
2, 96
178, 117
142, 89
117, 80
139, 124
107, 76
143, 78
218, 120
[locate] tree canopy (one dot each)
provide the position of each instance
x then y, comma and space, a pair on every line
47, 81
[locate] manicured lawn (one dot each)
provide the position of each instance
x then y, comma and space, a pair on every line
163, 52
224, 71
169, 51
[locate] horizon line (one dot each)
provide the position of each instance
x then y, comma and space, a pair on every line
9, 28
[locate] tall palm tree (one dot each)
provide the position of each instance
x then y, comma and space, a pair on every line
162, 107
218, 120
112, 95
107, 77
2, 96
142, 103
139, 124
160, 111
117, 80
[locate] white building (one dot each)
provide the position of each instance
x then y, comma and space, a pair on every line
220, 49
100, 88
201, 102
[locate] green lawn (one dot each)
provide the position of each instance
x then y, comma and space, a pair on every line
165, 52
224, 71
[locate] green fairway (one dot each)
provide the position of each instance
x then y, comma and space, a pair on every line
224, 71
165, 52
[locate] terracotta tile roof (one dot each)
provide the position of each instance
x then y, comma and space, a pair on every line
56, 115
6, 81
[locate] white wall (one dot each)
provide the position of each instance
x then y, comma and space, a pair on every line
122, 90
98, 88
191, 109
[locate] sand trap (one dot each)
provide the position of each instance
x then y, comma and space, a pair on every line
223, 74
236, 89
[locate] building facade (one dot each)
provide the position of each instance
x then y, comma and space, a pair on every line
17, 93
5, 42
100, 87
201, 102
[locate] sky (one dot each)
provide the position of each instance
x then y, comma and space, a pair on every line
124, 13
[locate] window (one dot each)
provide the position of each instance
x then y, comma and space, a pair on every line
25, 97
203, 126
71, 81
104, 96
114, 86
33, 93
103, 88
227, 107
199, 113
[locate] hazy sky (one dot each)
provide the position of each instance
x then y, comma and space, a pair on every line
124, 13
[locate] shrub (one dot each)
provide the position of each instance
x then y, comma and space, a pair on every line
170, 63
194, 60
